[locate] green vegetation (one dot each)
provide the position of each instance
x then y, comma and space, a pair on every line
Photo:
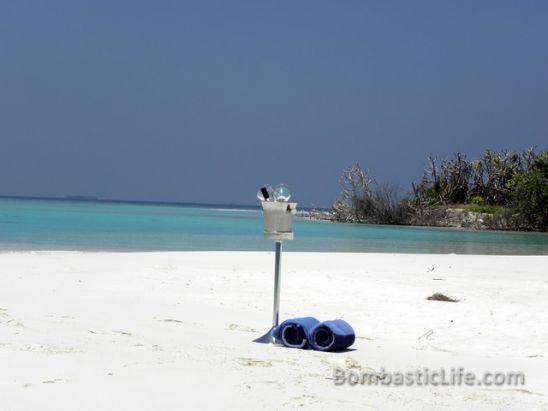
477, 200
511, 186
529, 193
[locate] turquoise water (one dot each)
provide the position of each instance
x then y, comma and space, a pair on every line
72, 225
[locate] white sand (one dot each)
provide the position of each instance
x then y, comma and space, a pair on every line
174, 331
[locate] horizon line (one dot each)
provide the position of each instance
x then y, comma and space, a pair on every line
93, 199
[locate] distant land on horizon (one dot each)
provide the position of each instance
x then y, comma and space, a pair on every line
93, 199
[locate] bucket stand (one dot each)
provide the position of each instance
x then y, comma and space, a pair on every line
278, 226
269, 338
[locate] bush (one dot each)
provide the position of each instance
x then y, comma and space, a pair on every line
477, 200
511, 185
530, 198
363, 201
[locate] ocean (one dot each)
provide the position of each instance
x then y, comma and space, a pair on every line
38, 224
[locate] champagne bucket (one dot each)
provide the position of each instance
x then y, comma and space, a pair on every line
278, 219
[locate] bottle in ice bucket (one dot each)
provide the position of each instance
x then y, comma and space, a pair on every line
282, 193
265, 193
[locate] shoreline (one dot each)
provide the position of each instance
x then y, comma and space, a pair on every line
448, 218
285, 251
440, 227
163, 329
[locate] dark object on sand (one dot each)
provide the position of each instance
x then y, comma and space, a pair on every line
442, 297
295, 333
336, 335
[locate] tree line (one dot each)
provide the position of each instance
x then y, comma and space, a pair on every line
512, 185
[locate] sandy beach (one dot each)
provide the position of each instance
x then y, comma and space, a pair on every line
172, 331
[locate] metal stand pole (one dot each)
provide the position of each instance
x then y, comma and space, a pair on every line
269, 338
277, 267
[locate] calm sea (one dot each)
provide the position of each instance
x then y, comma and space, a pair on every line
27, 224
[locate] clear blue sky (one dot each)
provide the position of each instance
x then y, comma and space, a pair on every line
204, 101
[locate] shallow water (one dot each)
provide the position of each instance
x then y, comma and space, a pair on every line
84, 225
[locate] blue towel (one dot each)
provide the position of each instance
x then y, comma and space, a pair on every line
336, 335
295, 333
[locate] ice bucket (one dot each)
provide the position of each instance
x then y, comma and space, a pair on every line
278, 219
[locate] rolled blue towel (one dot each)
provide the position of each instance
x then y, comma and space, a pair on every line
295, 333
336, 335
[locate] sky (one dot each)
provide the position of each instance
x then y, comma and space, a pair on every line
205, 101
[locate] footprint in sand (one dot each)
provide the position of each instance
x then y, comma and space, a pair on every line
271, 383
239, 327
7, 320
55, 381
302, 400
122, 332
352, 364
251, 362
172, 320
126, 333
13, 323
41, 348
